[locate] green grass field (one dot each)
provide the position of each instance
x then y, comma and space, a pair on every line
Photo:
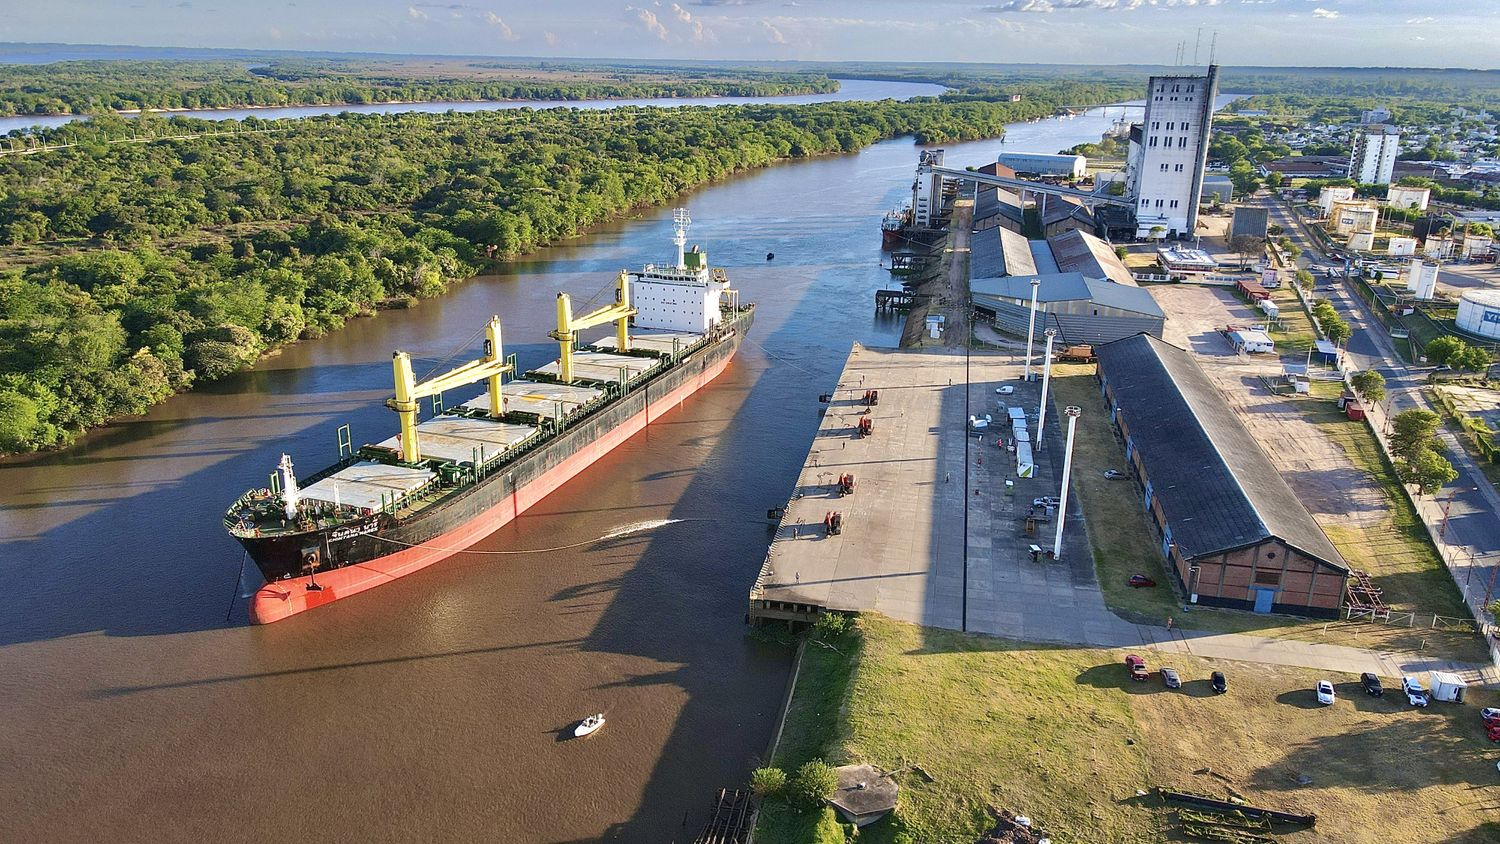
1061, 735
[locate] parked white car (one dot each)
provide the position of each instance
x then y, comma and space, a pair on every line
1326, 694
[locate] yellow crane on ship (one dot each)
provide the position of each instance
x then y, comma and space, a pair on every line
493, 364
409, 391
567, 325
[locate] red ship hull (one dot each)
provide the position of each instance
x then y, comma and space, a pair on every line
283, 598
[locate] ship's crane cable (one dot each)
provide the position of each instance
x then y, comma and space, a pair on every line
457, 350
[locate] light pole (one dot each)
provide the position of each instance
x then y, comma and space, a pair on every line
1072, 412
1036, 284
1041, 414
1192, 584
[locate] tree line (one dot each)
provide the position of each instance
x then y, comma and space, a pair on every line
93, 87
138, 269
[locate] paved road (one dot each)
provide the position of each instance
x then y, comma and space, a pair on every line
1473, 524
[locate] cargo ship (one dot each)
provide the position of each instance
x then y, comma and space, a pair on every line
389, 509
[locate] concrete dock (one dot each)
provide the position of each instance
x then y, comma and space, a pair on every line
932, 533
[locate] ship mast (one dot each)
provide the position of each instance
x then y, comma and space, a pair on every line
290, 495
680, 223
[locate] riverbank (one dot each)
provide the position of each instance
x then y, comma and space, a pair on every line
377, 238
1062, 736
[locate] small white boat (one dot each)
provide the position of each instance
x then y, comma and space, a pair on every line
589, 725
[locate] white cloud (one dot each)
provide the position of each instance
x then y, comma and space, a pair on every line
1325, 14
416, 14
1048, 6
551, 38
1420, 21
773, 34
682, 14
649, 20
499, 23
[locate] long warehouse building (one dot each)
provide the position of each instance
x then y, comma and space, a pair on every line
1083, 310
1234, 534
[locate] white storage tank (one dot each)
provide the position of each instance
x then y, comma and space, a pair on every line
1421, 279
1479, 313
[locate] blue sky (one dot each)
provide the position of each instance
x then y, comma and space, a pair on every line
1441, 33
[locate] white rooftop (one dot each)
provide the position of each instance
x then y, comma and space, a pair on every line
539, 397
459, 437
603, 366
364, 483
664, 342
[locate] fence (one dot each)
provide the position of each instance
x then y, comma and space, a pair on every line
1446, 623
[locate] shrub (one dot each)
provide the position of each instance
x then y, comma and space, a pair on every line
832, 625
815, 781
767, 781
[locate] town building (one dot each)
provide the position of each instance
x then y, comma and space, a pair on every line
1373, 159
1376, 115
1083, 310
1231, 529
1164, 176
1353, 215
1045, 164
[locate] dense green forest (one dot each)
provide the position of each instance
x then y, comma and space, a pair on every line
93, 87
135, 269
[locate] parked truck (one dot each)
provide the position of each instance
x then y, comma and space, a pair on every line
1082, 353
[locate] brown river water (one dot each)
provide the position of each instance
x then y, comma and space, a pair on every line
137, 704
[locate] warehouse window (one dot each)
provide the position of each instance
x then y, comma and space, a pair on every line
1182, 142
1169, 126
1268, 577
1184, 126
1164, 168
1174, 203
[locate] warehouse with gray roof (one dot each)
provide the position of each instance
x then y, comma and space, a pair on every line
1083, 310
1232, 531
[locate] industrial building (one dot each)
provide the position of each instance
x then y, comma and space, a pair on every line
1334, 193
927, 192
1076, 251
1373, 159
1479, 313
1249, 220
1165, 172
1217, 189
1233, 533
998, 252
1083, 310
1064, 213
996, 207
1043, 164
1398, 196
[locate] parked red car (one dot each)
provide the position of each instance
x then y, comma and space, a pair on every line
1137, 668
1139, 580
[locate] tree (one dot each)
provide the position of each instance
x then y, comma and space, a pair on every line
1338, 331
1472, 359
1305, 280
1426, 470
1122, 252
1242, 175
1413, 431
767, 782
1369, 384
1245, 245
814, 782
19, 420
1444, 350
1273, 179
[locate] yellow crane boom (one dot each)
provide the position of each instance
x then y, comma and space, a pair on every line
567, 325
409, 391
